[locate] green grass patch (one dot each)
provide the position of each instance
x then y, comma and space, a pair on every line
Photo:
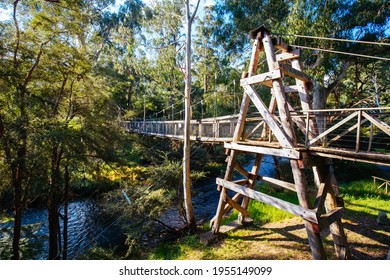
362, 197
188, 247
264, 213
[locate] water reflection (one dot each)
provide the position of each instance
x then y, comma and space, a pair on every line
88, 225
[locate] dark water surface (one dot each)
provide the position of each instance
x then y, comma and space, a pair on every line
88, 225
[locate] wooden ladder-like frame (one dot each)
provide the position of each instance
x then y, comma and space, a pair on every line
327, 209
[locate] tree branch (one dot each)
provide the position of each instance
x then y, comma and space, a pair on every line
194, 14
341, 75
17, 33
35, 65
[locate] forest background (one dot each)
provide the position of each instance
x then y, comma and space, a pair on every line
70, 70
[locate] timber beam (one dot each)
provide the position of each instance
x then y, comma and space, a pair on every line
307, 214
281, 152
288, 70
264, 78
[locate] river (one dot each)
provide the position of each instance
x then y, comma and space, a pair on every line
88, 225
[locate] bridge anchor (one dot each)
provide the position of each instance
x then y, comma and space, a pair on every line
278, 124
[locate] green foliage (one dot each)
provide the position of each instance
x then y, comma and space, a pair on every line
30, 243
98, 253
176, 251
67, 69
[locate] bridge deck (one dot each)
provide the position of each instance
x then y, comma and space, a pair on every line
361, 134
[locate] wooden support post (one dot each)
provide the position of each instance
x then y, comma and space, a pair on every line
358, 131
282, 128
216, 221
313, 233
324, 174
251, 184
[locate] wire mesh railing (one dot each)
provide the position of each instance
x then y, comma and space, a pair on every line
358, 130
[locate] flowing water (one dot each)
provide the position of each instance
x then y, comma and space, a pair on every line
88, 225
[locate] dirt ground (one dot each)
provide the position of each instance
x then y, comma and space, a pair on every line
288, 240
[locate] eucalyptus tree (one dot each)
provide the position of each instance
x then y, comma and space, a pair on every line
121, 31
163, 46
55, 106
353, 20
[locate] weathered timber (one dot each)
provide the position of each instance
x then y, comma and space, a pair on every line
297, 210
293, 54
290, 89
368, 157
314, 236
216, 221
288, 70
277, 182
264, 78
288, 153
268, 117
242, 170
227, 207
346, 131
259, 125
382, 125
237, 206
330, 217
251, 185
321, 196
334, 127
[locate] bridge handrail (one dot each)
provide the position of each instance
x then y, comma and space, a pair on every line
344, 110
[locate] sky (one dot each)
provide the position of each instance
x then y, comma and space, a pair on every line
6, 14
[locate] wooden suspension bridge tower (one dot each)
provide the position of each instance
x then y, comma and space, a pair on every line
320, 207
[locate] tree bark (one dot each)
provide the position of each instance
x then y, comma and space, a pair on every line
53, 204
187, 122
66, 205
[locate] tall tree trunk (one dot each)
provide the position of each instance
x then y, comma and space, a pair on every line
66, 204
53, 205
18, 209
18, 171
16, 180
187, 122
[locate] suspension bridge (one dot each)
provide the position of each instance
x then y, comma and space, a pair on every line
358, 134
310, 139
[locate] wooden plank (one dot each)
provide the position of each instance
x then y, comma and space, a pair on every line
359, 123
294, 54
383, 126
268, 117
321, 196
288, 70
237, 206
332, 216
280, 44
251, 185
377, 109
288, 153
375, 158
241, 182
345, 132
278, 183
242, 170
297, 210
228, 207
255, 128
334, 127
261, 78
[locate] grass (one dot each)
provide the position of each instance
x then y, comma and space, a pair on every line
277, 234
